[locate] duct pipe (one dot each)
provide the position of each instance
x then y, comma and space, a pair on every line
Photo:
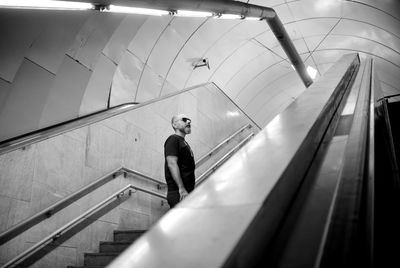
231, 7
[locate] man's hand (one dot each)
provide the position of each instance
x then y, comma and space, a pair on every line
182, 193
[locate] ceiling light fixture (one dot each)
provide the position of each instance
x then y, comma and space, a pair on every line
189, 13
311, 72
134, 10
252, 18
45, 4
229, 17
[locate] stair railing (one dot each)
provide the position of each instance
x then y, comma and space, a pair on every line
120, 193
51, 210
202, 159
56, 234
222, 160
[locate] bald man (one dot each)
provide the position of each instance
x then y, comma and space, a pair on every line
179, 161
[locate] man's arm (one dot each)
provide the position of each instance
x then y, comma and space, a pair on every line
172, 162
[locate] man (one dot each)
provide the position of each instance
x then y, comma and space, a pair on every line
179, 161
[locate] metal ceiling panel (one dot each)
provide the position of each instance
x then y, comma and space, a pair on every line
194, 50
23, 109
168, 88
226, 45
367, 31
388, 74
285, 13
65, 96
352, 43
150, 86
93, 37
328, 56
371, 15
313, 42
125, 80
389, 6
98, 88
147, 36
316, 26
170, 44
254, 67
259, 82
388, 89
315, 8
300, 45
287, 86
182, 67
15, 40
122, 36
269, 41
48, 48
235, 62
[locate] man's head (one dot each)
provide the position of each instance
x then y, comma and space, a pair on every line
181, 124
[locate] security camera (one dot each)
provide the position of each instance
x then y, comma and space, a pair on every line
202, 62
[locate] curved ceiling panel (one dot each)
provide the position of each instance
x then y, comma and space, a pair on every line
143, 57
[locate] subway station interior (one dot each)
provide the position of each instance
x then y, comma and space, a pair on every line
294, 132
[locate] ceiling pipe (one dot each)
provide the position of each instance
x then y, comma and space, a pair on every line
232, 7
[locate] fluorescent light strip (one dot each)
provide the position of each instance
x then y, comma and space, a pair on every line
252, 18
189, 13
230, 17
135, 10
45, 4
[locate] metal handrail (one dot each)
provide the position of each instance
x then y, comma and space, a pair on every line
128, 170
349, 206
56, 234
222, 143
51, 210
222, 160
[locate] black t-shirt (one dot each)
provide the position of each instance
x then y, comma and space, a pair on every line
176, 145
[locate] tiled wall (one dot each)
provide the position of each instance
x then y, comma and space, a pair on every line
41, 174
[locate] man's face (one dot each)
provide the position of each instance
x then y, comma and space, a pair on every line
183, 124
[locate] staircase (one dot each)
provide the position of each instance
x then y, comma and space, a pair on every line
109, 250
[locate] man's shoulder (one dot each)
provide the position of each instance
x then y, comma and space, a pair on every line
172, 138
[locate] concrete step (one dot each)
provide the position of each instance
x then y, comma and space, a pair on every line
127, 235
113, 247
99, 259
